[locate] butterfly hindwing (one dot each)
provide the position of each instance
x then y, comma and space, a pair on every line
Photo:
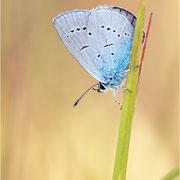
110, 41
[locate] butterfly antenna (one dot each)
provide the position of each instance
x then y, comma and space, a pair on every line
84, 94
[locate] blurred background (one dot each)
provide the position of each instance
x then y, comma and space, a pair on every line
44, 137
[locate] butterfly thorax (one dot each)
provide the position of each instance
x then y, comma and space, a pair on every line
112, 82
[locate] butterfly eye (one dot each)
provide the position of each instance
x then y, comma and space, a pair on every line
102, 87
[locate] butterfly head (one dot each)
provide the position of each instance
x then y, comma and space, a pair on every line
102, 87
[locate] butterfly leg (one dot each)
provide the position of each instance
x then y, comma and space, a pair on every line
123, 87
127, 70
114, 94
120, 92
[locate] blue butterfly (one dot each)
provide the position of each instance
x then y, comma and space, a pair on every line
100, 40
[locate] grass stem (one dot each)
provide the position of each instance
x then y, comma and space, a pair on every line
129, 100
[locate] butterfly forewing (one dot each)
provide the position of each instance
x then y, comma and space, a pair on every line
72, 29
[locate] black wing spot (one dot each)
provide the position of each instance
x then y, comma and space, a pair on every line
126, 34
112, 54
72, 30
114, 30
84, 28
108, 45
102, 26
108, 29
90, 33
98, 55
84, 47
78, 29
118, 35
67, 36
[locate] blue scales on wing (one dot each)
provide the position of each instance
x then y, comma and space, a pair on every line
110, 40
99, 39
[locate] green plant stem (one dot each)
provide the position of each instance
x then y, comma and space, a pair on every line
129, 101
172, 175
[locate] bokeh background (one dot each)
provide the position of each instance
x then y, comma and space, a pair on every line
44, 137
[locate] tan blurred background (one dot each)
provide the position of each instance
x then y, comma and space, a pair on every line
44, 137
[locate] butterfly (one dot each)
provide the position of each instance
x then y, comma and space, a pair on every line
100, 40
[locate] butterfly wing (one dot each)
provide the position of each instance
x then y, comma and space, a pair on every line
111, 39
72, 29
131, 18
100, 39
